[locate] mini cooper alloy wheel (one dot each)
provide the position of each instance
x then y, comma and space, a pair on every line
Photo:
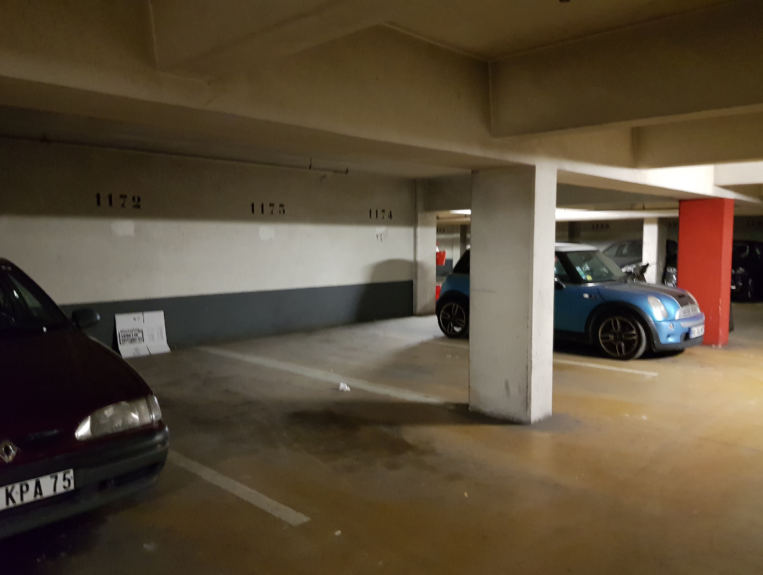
620, 337
453, 319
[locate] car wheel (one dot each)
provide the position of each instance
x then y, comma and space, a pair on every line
453, 318
621, 336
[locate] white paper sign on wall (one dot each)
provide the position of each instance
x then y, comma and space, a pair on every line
141, 333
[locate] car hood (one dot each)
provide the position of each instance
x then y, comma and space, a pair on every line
616, 290
52, 381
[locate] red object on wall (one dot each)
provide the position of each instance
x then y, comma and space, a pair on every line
440, 258
705, 238
437, 292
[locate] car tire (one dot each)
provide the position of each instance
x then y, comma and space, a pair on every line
620, 335
453, 316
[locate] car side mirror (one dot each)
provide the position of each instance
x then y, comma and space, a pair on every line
558, 284
85, 318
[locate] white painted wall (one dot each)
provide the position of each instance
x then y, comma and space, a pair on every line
194, 232
605, 233
449, 241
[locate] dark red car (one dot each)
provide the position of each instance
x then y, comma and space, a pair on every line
79, 427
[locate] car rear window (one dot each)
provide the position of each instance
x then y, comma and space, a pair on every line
463, 265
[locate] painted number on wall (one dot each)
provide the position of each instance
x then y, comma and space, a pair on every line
269, 209
120, 201
374, 214
600, 226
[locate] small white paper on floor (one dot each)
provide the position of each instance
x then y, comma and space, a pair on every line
344, 387
140, 334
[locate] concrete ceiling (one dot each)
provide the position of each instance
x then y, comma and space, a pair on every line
253, 142
491, 29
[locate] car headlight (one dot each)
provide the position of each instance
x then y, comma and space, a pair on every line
660, 312
119, 417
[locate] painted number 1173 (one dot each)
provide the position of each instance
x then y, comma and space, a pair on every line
270, 209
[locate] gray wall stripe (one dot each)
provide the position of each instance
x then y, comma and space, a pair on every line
195, 320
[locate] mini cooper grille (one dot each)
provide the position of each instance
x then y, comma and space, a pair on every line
688, 311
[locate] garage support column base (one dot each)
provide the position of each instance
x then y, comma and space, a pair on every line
705, 239
512, 292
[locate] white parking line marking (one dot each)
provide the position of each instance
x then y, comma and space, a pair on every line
256, 498
607, 367
329, 377
432, 340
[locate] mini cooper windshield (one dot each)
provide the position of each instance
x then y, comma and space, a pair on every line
591, 267
24, 307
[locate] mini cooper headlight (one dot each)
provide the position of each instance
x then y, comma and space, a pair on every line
119, 417
660, 312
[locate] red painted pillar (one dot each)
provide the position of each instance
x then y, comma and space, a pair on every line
705, 237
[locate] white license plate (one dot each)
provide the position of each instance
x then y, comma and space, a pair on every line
35, 489
697, 331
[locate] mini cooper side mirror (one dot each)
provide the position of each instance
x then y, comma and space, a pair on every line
558, 284
84, 318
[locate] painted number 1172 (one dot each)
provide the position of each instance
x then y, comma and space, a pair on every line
120, 201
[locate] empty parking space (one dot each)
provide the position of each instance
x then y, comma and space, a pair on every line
277, 470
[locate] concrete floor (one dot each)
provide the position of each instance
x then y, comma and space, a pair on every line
656, 470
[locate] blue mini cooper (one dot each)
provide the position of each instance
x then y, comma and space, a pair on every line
595, 303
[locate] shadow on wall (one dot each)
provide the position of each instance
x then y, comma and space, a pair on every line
381, 299
195, 320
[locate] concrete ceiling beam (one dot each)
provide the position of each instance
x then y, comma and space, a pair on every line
686, 183
734, 138
700, 64
225, 37
743, 174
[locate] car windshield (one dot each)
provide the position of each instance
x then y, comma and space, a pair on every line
24, 307
593, 266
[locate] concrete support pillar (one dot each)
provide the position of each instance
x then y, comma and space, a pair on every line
425, 242
655, 242
705, 238
512, 292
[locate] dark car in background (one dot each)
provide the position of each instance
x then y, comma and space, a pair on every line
629, 254
746, 266
747, 270
79, 428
